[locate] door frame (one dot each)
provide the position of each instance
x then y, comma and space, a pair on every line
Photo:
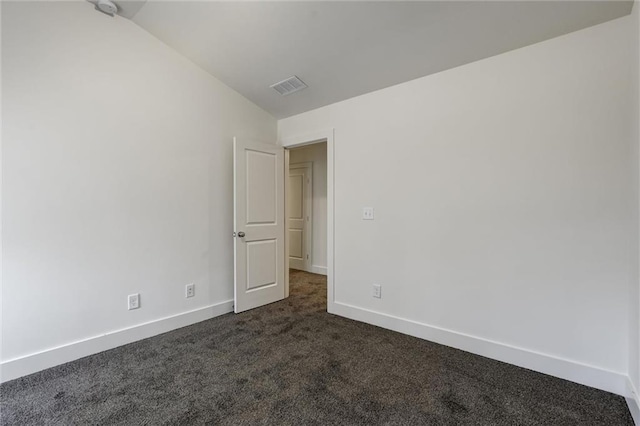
308, 208
296, 141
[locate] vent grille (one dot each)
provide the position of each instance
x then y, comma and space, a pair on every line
289, 86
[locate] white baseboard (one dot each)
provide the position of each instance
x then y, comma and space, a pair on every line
322, 270
633, 401
634, 407
22, 366
588, 375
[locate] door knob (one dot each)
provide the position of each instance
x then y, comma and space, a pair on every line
241, 234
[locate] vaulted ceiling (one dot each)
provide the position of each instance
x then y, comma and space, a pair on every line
345, 49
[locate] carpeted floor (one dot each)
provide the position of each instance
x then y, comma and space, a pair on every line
291, 363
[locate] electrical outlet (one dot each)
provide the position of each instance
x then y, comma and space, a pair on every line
367, 213
377, 291
190, 290
133, 301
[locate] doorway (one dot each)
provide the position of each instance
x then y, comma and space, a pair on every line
309, 204
306, 211
307, 208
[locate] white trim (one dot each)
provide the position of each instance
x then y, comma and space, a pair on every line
28, 364
315, 269
588, 375
285, 209
1, 186
326, 135
634, 408
633, 401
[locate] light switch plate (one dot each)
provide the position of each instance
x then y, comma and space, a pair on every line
367, 213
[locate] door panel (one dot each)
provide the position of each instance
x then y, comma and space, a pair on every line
295, 243
259, 224
261, 187
262, 257
296, 178
299, 215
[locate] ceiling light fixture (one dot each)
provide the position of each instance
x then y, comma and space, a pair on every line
107, 7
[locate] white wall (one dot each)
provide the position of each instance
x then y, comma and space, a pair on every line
1, 174
634, 298
502, 196
316, 153
117, 179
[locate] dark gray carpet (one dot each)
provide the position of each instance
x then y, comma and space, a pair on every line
291, 363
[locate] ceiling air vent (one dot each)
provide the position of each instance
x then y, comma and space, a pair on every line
289, 86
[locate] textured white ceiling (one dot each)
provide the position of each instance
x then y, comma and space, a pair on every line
345, 49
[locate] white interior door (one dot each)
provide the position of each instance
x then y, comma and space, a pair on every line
299, 211
259, 224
